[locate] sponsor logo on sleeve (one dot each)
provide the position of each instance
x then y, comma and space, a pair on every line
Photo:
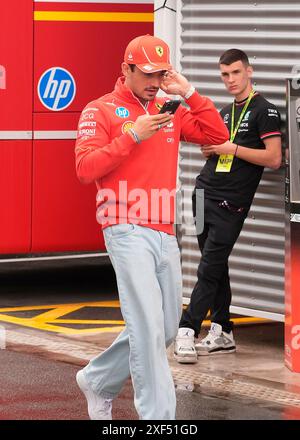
126, 126
87, 132
272, 112
86, 116
87, 124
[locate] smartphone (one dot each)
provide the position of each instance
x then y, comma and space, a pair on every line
170, 106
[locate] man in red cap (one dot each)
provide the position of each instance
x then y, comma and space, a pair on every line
130, 150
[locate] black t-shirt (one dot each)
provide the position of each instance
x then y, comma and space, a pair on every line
261, 120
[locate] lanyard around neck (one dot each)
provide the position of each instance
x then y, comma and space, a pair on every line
233, 130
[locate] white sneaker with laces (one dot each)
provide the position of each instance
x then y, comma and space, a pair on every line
98, 407
184, 350
216, 342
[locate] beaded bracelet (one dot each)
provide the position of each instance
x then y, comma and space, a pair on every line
135, 136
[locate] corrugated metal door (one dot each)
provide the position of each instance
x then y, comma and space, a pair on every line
269, 32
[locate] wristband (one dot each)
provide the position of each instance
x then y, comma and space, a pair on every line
236, 149
189, 92
135, 136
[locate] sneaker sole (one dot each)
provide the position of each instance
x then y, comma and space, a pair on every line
185, 359
216, 351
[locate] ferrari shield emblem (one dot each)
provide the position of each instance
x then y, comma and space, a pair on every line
159, 50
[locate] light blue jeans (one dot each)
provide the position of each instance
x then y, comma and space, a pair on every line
148, 271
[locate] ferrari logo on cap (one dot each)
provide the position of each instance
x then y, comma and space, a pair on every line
158, 106
159, 50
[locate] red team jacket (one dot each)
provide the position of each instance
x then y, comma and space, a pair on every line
137, 182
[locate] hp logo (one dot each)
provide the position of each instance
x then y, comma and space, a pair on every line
122, 112
56, 88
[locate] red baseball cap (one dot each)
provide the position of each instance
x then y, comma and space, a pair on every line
148, 53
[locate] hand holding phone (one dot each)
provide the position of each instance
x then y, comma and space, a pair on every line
170, 106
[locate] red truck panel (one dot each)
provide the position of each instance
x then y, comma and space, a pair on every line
63, 215
15, 193
16, 43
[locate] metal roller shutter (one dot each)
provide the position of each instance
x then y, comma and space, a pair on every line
269, 32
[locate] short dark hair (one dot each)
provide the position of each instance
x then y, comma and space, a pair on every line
132, 67
233, 55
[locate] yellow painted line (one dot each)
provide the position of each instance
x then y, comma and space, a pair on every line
49, 319
53, 316
25, 322
21, 309
250, 320
241, 321
88, 321
110, 304
93, 16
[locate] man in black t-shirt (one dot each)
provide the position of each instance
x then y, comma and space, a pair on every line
229, 178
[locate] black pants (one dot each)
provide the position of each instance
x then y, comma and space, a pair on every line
212, 290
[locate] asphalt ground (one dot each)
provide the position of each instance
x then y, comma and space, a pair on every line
38, 366
36, 388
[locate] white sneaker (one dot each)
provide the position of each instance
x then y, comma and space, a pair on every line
98, 407
216, 342
184, 350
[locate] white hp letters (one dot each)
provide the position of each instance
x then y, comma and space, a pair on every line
55, 89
